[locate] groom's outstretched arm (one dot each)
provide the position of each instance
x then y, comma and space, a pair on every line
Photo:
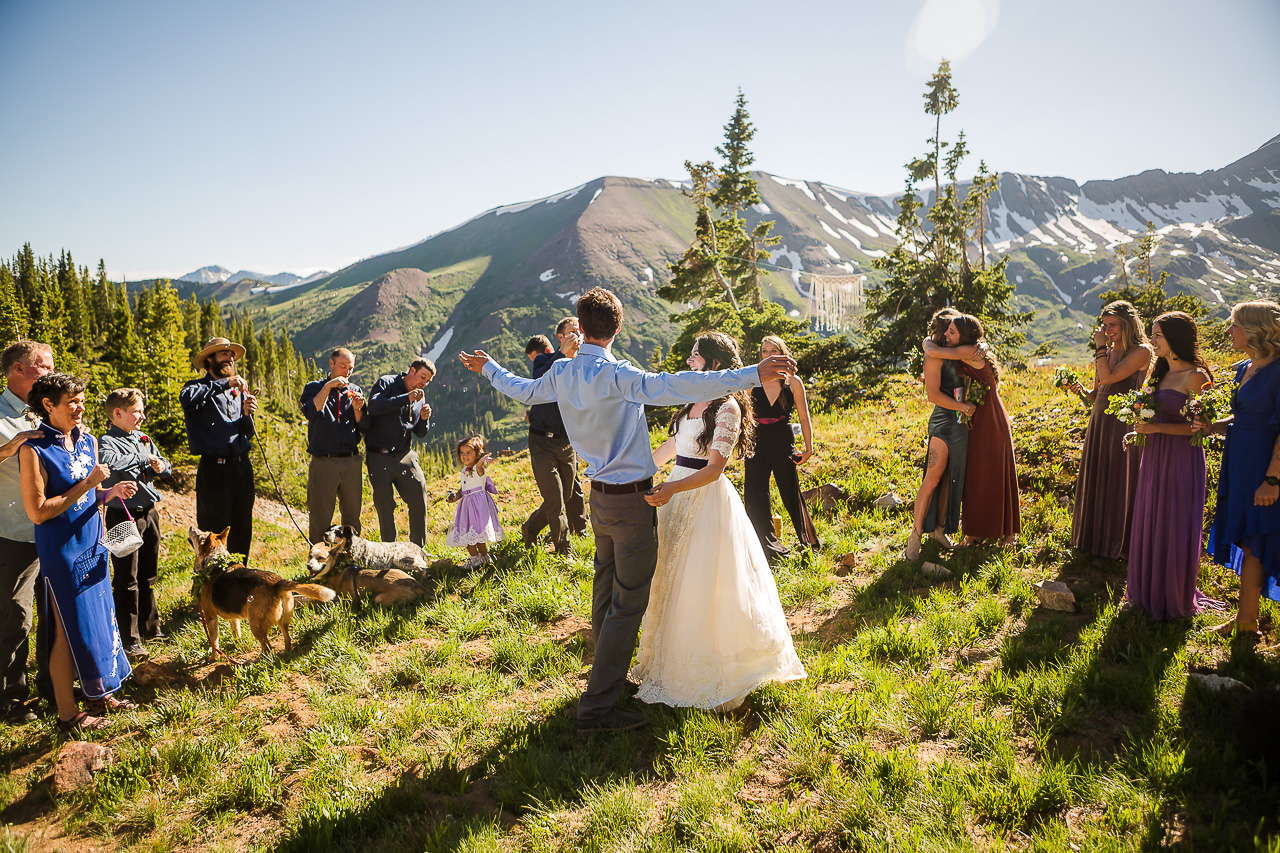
527, 391
690, 386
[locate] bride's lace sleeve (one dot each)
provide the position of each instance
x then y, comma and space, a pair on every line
727, 426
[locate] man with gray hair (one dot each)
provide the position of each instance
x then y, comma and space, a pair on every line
334, 409
22, 363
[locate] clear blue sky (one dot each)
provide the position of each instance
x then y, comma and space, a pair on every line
295, 136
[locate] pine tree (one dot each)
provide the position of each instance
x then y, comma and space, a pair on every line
930, 268
719, 272
164, 362
13, 318
122, 348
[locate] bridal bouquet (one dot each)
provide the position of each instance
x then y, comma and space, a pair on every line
974, 392
1209, 405
1134, 407
1066, 379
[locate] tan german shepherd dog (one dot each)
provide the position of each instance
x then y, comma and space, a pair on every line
234, 592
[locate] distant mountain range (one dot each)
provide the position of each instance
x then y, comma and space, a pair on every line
513, 271
222, 275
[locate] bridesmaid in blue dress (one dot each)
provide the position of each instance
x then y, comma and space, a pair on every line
60, 477
1246, 526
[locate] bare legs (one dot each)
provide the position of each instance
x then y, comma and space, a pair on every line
934, 467
62, 674
1251, 579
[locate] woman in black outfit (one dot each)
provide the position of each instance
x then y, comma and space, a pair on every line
775, 454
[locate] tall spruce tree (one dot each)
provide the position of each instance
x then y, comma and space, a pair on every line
165, 361
722, 263
931, 267
13, 318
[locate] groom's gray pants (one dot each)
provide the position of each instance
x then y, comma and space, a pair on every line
626, 534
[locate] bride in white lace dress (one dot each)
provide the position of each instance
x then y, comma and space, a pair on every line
714, 629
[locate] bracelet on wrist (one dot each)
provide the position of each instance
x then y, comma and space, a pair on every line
1271, 480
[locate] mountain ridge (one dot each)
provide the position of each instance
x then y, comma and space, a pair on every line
500, 276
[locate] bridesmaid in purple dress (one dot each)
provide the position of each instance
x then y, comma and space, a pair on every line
1107, 478
1168, 508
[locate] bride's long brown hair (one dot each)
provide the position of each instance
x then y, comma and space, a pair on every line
720, 352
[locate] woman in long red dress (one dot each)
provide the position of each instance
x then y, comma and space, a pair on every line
990, 505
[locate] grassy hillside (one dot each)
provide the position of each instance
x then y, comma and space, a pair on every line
938, 714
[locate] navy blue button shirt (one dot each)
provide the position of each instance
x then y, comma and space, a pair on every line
214, 423
332, 428
128, 455
546, 416
390, 415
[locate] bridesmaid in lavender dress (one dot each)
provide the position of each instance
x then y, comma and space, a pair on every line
1168, 509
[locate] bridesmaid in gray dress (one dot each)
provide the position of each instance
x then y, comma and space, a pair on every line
937, 507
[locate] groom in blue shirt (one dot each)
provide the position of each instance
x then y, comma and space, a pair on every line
602, 401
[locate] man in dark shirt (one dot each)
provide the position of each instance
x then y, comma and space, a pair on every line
395, 411
219, 413
555, 465
334, 409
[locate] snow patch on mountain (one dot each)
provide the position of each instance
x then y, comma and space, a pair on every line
438, 349
793, 258
525, 205
800, 185
547, 275
864, 228
761, 208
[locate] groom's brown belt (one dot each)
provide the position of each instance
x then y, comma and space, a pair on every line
623, 488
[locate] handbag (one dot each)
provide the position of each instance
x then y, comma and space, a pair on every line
123, 539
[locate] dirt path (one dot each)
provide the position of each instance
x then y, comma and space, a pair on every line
178, 512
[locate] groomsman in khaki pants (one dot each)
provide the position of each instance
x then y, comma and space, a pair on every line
334, 409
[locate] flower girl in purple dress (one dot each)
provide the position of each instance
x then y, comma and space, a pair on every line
475, 521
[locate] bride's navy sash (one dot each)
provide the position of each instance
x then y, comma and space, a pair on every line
691, 462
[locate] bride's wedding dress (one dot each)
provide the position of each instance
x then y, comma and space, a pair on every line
714, 629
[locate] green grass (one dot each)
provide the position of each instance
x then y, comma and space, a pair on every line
937, 715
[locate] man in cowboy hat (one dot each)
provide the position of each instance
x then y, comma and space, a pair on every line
219, 413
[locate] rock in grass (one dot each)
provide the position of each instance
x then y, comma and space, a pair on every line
845, 564
78, 762
1055, 595
148, 673
1216, 683
826, 496
888, 501
933, 570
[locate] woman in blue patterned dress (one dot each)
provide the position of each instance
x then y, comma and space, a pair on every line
60, 493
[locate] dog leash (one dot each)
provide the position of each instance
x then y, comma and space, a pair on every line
279, 492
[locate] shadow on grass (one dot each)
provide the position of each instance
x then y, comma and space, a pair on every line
1227, 786
438, 804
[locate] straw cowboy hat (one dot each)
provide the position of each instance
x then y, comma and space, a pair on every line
216, 345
